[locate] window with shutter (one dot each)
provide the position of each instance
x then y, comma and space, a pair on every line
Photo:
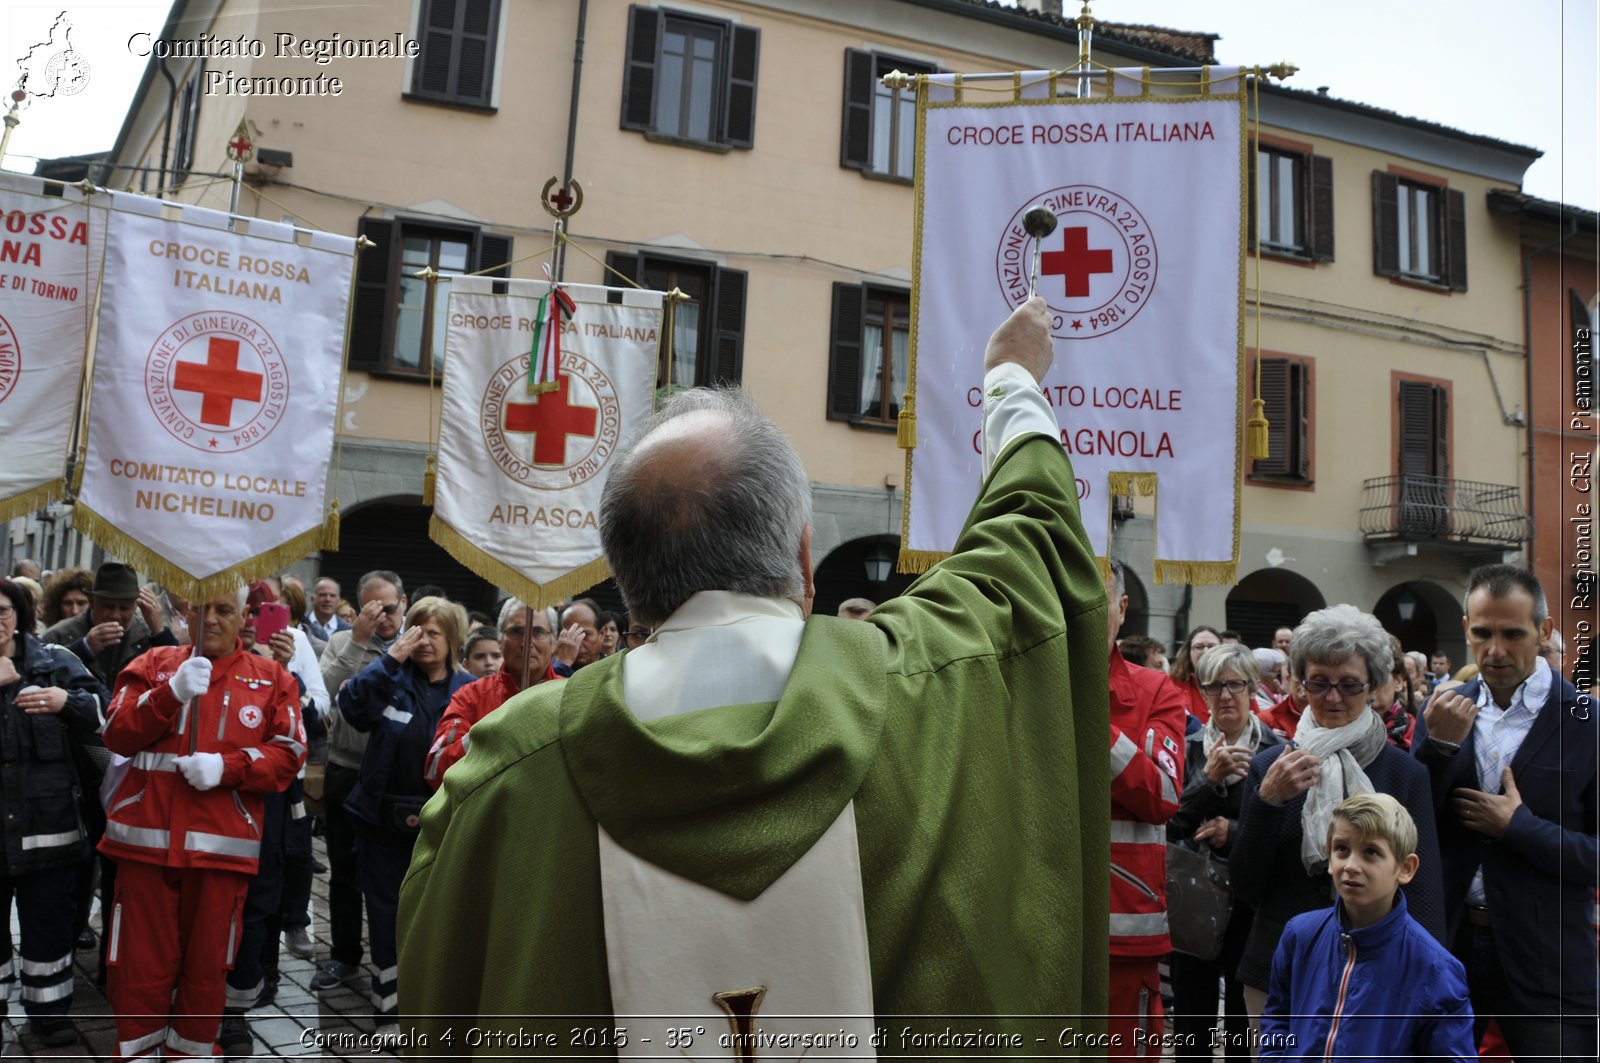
1292, 193
188, 123
1286, 387
706, 343
1423, 458
878, 131
690, 79
458, 41
395, 326
869, 359
1419, 231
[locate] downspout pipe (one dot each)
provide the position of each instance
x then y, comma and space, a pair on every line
166, 129
572, 130
1527, 365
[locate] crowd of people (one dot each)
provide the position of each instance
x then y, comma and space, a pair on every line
1406, 860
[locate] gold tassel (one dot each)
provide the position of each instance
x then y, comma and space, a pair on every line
427, 483
330, 527
905, 433
1256, 445
916, 562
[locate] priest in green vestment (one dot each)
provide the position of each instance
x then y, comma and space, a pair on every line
765, 834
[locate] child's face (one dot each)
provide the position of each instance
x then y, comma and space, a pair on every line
1366, 873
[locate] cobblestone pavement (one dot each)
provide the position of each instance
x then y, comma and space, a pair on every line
297, 1024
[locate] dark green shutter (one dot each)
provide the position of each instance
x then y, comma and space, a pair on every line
372, 320
844, 352
739, 118
1385, 224
1455, 235
727, 335
639, 71
1319, 227
855, 138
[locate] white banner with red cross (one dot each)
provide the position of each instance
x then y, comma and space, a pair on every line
523, 457
214, 394
1143, 275
48, 277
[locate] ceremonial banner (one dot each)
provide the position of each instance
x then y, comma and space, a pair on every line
48, 277
521, 465
1143, 275
214, 393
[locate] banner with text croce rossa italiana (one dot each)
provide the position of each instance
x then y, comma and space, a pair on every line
48, 277
521, 466
214, 392
1143, 276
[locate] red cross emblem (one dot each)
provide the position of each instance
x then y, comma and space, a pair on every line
220, 382
1076, 263
550, 419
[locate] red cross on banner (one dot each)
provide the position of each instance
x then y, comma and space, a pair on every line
219, 381
1076, 263
551, 418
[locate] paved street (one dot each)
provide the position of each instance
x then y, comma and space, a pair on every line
291, 1026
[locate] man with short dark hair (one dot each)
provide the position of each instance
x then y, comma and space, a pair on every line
123, 621
578, 645
716, 825
1144, 651
322, 619
1281, 640
1512, 755
382, 601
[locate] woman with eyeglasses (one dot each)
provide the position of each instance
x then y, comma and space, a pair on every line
1218, 758
49, 703
1185, 671
1279, 862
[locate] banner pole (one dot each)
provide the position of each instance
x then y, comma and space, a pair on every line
1085, 43
11, 120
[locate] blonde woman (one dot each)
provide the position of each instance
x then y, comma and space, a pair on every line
397, 700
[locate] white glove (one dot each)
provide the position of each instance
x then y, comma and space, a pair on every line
203, 770
192, 678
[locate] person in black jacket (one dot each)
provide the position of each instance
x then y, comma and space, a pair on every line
48, 704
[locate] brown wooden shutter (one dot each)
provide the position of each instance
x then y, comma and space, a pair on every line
727, 336
475, 50
739, 119
1319, 223
625, 263
1455, 239
1300, 416
495, 251
1275, 392
844, 352
1385, 224
1252, 208
1423, 460
1418, 436
438, 34
855, 137
639, 71
1441, 431
372, 321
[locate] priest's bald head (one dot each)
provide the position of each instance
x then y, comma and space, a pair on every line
710, 497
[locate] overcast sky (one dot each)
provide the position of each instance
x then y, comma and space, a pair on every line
1523, 72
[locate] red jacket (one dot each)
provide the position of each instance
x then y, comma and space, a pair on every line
250, 714
471, 703
1147, 725
1283, 717
1195, 700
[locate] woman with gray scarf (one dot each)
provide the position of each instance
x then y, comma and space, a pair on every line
1279, 862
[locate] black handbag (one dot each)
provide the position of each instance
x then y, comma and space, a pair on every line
1199, 900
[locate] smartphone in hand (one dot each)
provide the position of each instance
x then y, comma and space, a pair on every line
271, 618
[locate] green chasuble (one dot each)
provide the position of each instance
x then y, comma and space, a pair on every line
967, 720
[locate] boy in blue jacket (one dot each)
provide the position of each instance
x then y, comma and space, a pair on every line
1364, 980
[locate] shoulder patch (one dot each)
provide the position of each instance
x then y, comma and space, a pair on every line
1168, 765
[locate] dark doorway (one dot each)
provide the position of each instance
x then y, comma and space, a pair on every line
393, 534
843, 574
1267, 599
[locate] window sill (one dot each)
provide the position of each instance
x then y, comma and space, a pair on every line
712, 146
1292, 483
872, 426
1426, 284
451, 104
887, 178
1288, 256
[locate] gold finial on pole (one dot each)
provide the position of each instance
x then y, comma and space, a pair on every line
1085, 45
897, 79
1283, 71
18, 95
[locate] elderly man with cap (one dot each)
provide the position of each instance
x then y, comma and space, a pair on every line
122, 621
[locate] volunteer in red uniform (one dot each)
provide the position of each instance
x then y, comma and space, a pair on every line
207, 733
527, 644
1147, 725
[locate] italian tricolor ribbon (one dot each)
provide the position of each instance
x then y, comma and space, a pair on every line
545, 362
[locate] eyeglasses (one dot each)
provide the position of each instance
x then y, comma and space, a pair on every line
516, 631
1232, 686
1347, 688
638, 633
6, 612
391, 608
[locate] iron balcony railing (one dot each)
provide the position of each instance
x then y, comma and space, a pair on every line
1421, 508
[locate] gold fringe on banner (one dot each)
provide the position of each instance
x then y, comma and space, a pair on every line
916, 562
538, 595
1126, 483
32, 499
152, 566
330, 528
1197, 573
1105, 568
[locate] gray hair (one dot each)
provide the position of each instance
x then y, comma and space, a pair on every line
510, 609
1333, 635
1500, 581
1268, 659
734, 524
380, 574
1228, 655
1119, 578
1420, 659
